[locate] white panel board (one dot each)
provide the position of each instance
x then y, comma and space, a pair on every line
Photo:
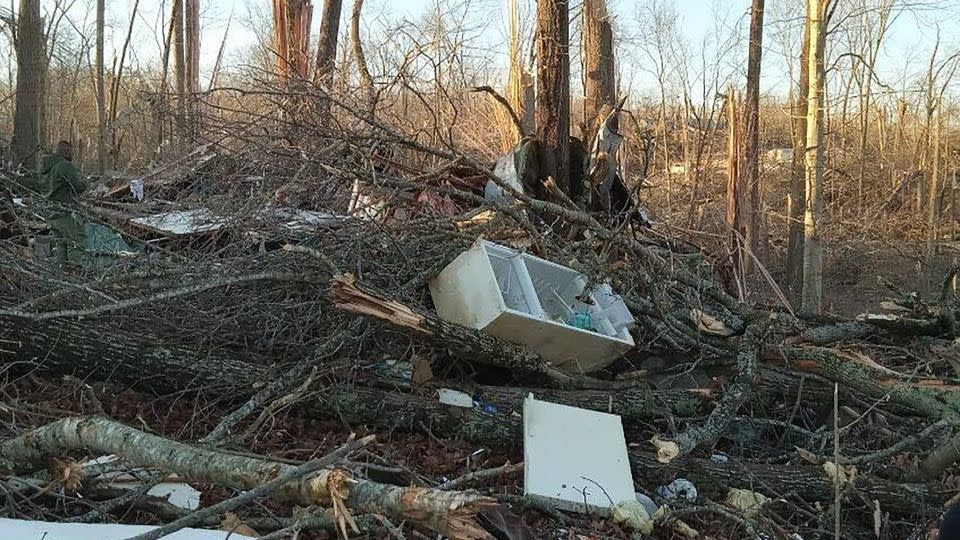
569, 454
15, 529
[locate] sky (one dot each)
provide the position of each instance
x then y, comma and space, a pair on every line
905, 55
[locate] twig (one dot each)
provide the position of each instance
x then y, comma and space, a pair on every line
503, 470
506, 105
141, 300
837, 491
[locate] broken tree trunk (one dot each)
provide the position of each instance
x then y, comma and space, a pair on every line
449, 513
600, 84
553, 92
349, 295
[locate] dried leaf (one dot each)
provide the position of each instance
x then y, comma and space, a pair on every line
685, 530
666, 450
421, 372
807, 455
842, 475
233, 524
502, 519
632, 515
709, 324
749, 503
893, 306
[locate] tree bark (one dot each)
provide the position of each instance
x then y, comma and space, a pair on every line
179, 65
192, 61
327, 42
31, 65
751, 133
600, 84
69, 346
520, 92
737, 213
102, 152
365, 78
795, 210
553, 92
812, 296
327, 54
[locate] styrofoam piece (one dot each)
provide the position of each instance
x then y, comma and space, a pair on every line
528, 300
455, 398
42, 530
572, 456
183, 222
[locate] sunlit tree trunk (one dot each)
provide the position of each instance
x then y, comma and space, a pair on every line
179, 65
736, 194
797, 189
553, 91
327, 52
600, 85
30, 43
812, 297
751, 132
365, 78
192, 61
327, 41
520, 93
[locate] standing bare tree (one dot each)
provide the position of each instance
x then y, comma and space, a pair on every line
751, 131
30, 43
192, 62
102, 154
365, 78
327, 41
737, 215
812, 296
179, 64
795, 209
553, 91
520, 92
599, 84
327, 51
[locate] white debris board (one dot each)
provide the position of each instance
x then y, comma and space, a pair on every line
569, 454
16, 529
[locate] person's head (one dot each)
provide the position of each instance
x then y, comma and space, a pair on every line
65, 149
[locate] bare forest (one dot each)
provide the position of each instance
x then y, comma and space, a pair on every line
480, 269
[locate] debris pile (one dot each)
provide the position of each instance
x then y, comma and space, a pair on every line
260, 305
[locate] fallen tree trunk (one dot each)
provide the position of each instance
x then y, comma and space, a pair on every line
69, 346
445, 512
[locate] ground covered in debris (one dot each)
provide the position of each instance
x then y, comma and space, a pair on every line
268, 309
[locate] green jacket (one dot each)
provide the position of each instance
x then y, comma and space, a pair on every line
59, 179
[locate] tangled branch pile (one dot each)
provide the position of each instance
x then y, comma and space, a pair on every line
267, 319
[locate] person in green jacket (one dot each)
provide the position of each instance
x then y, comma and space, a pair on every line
61, 182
